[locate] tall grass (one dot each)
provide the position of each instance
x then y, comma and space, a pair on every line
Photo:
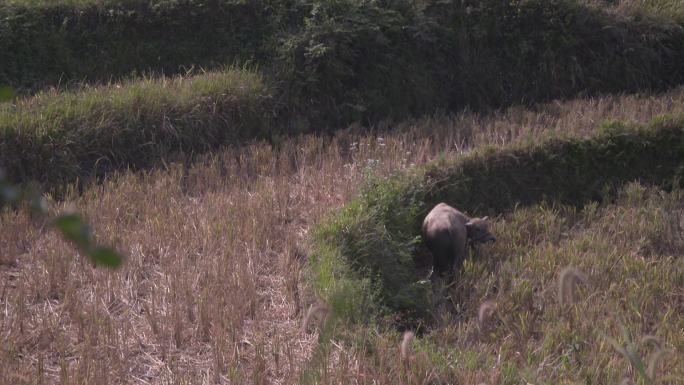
630, 252
57, 136
212, 288
664, 9
377, 235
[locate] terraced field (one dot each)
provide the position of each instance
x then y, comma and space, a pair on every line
241, 206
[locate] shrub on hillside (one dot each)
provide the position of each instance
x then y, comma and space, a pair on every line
56, 42
370, 59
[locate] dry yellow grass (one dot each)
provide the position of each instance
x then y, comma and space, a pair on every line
211, 290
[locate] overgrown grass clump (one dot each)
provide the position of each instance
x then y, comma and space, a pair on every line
57, 136
376, 236
629, 253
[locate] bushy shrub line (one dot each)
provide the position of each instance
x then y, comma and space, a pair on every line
343, 60
44, 43
369, 60
61, 136
375, 237
327, 63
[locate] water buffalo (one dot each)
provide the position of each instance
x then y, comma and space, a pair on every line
446, 231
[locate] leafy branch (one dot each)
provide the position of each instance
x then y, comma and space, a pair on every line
71, 225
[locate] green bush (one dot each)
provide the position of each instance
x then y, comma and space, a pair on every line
328, 63
56, 137
371, 59
336, 61
48, 43
377, 234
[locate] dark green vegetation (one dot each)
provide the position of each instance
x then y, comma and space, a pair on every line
373, 241
357, 59
46, 43
325, 64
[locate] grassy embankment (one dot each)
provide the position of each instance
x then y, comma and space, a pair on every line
60, 136
324, 65
512, 326
378, 233
68, 42
212, 286
363, 261
210, 291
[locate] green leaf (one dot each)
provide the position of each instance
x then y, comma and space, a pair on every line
105, 256
74, 229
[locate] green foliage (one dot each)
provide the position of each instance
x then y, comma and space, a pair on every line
6, 93
378, 232
362, 59
370, 60
363, 238
55, 136
49, 43
70, 225
74, 229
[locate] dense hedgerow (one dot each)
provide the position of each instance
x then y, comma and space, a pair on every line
370, 60
46, 43
375, 238
57, 136
327, 63
337, 61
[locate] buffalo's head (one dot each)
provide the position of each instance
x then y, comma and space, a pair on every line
478, 230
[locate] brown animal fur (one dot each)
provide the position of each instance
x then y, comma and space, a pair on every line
446, 231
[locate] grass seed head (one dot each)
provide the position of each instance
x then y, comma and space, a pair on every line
406, 345
653, 361
485, 312
314, 310
567, 281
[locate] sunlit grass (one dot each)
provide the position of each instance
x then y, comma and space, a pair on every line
631, 257
59, 136
212, 289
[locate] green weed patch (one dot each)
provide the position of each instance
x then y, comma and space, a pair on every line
377, 235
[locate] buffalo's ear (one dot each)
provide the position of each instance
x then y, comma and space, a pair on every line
470, 226
473, 229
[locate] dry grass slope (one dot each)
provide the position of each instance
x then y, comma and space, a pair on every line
212, 291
